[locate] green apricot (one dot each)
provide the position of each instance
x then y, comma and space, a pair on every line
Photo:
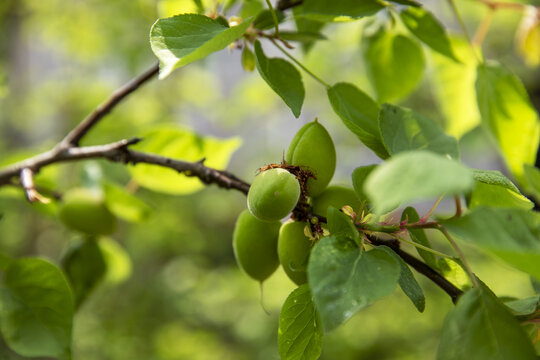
293, 251
255, 245
313, 148
273, 194
336, 196
84, 211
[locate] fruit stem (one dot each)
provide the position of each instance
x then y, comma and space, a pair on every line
420, 246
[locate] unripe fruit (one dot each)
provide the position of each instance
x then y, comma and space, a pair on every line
273, 194
313, 148
336, 196
84, 211
255, 245
293, 251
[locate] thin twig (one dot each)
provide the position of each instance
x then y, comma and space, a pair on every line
75, 135
483, 28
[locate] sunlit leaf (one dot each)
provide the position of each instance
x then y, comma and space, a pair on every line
453, 271
427, 29
181, 144
480, 327
36, 315
508, 115
359, 113
403, 129
497, 196
124, 205
532, 179
344, 280
511, 234
394, 62
182, 39
300, 331
282, 77
117, 260
415, 175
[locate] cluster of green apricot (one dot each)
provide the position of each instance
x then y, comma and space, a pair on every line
260, 241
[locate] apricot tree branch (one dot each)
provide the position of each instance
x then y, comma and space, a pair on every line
119, 152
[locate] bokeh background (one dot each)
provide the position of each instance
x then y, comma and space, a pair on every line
173, 290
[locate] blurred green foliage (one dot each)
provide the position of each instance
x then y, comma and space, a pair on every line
173, 290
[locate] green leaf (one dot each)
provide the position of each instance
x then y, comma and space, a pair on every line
453, 271
525, 306
282, 77
341, 225
480, 327
117, 260
535, 284
415, 175
394, 63
324, 10
407, 282
306, 25
359, 176
511, 234
248, 59
509, 115
403, 129
344, 280
359, 113
182, 144
419, 236
300, 331
301, 36
427, 29
36, 315
532, 179
182, 39
453, 85
124, 205
494, 177
265, 20
85, 267
497, 196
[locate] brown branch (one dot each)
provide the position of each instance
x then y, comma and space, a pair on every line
119, 152
75, 135
288, 4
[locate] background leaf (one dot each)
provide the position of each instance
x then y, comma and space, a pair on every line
344, 280
85, 267
480, 327
453, 85
324, 10
509, 116
125, 205
180, 143
403, 129
182, 39
511, 234
37, 309
300, 331
282, 77
427, 29
359, 113
394, 62
415, 175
